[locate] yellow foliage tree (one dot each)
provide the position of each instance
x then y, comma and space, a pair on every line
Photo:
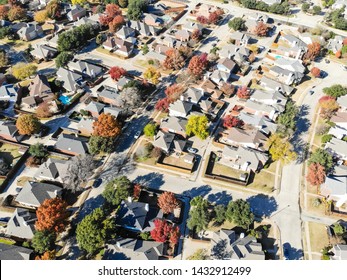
152, 74
41, 16
74, 2
280, 149
22, 71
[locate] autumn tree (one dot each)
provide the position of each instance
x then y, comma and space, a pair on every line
162, 104
338, 54
230, 121
41, 16
261, 29
196, 34
117, 72
315, 71
52, 215
174, 60
197, 65
243, 92
163, 232
106, 126
280, 149
174, 237
116, 23
16, 13
44, 110
197, 125
174, 91
54, 9
28, 124
213, 17
43, 241
117, 190
111, 11
3, 12
167, 202
328, 106
152, 74
49, 255
313, 50
316, 174
3, 59
23, 71
202, 20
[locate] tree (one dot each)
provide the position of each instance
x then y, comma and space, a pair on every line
117, 190
4, 167
116, 23
4, 32
94, 230
106, 126
323, 158
305, 7
145, 49
338, 54
316, 174
41, 16
261, 29
44, 110
280, 148
131, 98
200, 254
287, 120
175, 235
167, 202
3, 12
99, 144
123, 3
313, 50
38, 150
52, 215
335, 91
237, 24
16, 13
152, 74
136, 8
213, 17
328, 106
79, 2
202, 20
79, 170
100, 39
220, 214
161, 231
197, 125
196, 34
315, 71
53, 9
230, 121
49, 255
240, 213
162, 105
43, 241
117, 72
197, 65
316, 10
63, 59
23, 71
3, 59
28, 124
339, 229
174, 60
198, 214
150, 129
243, 93
174, 91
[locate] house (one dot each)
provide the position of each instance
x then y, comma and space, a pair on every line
76, 13
219, 77
85, 126
293, 65
286, 76
71, 145
95, 108
9, 131
262, 123
125, 32
240, 38
155, 56
30, 32
123, 48
114, 111
86, 69
110, 95
337, 148
238, 247
71, 80
12, 252
273, 98
335, 186
174, 125
293, 41
33, 194
43, 52
192, 95
342, 100
162, 49
137, 216
134, 249
93, 20
244, 159
338, 4
250, 138
258, 17
340, 119
153, 20
339, 252
273, 85
271, 2
335, 44
180, 109
52, 170
239, 54
211, 88
257, 108
40, 88
226, 65
294, 52
338, 132
21, 224
8, 92
143, 28
191, 26
182, 35
167, 142
168, 41
110, 43
122, 82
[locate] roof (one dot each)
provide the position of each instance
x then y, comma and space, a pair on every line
286, 72
276, 86
8, 128
182, 34
12, 252
29, 28
342, 100
193, 94
227, 63
260, 122
259, 107
294, 40
114, 111
163, 140
95, 107
338, 146
21, 224
174, 123
71, 144
70, 79
110, 93
190, 26
334, 186
125, 32
182, 107
339, 117
290, 64
157, 56
237, 35
75, 9
231, 50
39, 85
238, 135
7, 91
52, 169
276, 96
35, 193
123, 81
86, 124
84, 67
340, 252
219, 76
43, 51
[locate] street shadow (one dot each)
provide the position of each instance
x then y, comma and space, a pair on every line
292, 253
134, 73
262, 205
219, 198
88, 207
196, 191
114, 255
153, 180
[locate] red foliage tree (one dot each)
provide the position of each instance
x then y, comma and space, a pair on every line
202, 19
111, 11
229, 121
196, 34
117, 72
174, 60
197, 65
106, 126
344, 42
213, 17
315, 71
167, 202
137, 191
116, 23
338, 54
174, 236
243, 93
261, 29
161, 231
313, 50
52, 215
326, 98
3, 11
316, 174
162, 105
173, 92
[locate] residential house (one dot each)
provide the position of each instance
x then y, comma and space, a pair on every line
286, 76
71, 145
250, 138
338, 132
114, 111
134, 249
85, 126
174, 125
110, 43
262, 123
122, 82
335, 44
180, 109
340, 119
335, 186
40, 88
71, 81
152, 20
240, 38
239, 54
191, 26
123, 48
93, 20
292, 40
167, 142
155, 56
30, 32
258, 17
339, 252
143, 28
192, 95
338, 4
257, 108
337, 148
126, 32
182, 35
95, 108
219, 77
342, 100
52, 170
43, 52
86, 69
168, 41
211, 88
273, 98
137, 216
226, 65
238, 247
293, 65
76, 13
271, 2
162, 49
273, 85
9, 131
8, 92
14, 253
203, 10
21, 224
33, 194
110, 95
294, 52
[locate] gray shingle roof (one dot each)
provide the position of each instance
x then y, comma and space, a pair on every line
88, 69
164, 140
174, 123
12, 252
72, 81
21, 224
181, 107
71, 144
39, 86
95, 107
52, 169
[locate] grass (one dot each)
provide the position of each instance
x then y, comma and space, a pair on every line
1, 181
7, 241
179, 162
107, 52
220, 169
318, 236
263, 181
22, 180
144, 64
313, 209
9, 153
225, 225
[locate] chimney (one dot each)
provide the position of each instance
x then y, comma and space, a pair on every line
147, 207
242, 235
130, 199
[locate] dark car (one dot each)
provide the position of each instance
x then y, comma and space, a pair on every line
149, 107
97, 183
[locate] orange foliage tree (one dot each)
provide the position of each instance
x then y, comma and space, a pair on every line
315, 71
28, 124
3, 11
43, 110
243, 92
111, 11
106, 126
338, 54
316, 174
174, 60
313, 50
49, 255
167, 202
117, 72
116, 23
261, 29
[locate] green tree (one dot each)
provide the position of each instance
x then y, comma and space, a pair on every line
198, 214
239, 212
145, 49
335, 91
220, 214
200, 254
117, 190
287, 120
339, 229
150, 129
38, 150
123, 3
237, 23
94, 230
136, 8
322, 157
43, 241
99, 39
305, 7
63, 59
99, 144
23, 71
4, 32
316, 10
197, 125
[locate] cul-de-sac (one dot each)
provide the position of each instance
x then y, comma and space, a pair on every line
173, 130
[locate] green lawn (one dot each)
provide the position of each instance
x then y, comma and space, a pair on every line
225, 225
263, 181
9, 153
6, 241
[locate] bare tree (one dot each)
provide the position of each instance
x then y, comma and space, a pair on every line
131, 97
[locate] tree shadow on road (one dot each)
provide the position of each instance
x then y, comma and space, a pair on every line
292, 253
153, 180
219, 198
198, 191
262, 205
89, 205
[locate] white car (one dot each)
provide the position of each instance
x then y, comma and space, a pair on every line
192, 150
137, 134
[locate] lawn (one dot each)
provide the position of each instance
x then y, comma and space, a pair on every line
313, 209
263, 181
318, 236
9, 153
223, 170
225, 225
7, 241
144, 64
179, 162
107, 52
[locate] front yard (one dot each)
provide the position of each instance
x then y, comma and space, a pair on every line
177, 161
318, 236
10, 153
223, 170
263, 181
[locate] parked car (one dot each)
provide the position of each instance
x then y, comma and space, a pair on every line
97, 183
137, 134
311, 92
327, 60
344, 67
192, 150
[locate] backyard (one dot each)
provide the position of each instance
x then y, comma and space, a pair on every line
177, 161
223, 170
10, 153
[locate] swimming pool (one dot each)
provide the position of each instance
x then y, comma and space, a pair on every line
66, 100
277, 56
